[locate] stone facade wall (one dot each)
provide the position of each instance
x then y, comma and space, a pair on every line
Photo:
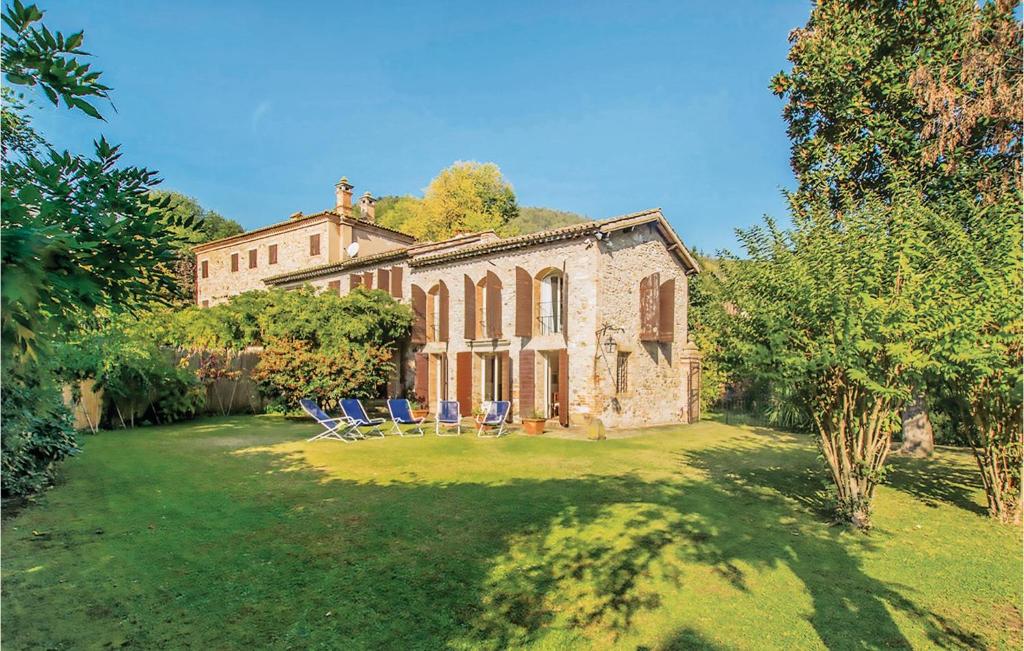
292, 253
603, 279
654, 369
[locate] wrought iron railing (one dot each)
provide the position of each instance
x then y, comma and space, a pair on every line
550, 318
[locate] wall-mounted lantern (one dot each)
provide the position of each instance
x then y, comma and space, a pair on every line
609, 344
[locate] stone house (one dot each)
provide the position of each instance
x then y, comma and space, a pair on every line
587, 320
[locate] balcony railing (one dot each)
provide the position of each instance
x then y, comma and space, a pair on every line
550, 318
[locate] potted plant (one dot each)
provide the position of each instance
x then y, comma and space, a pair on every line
533, 424
417, 408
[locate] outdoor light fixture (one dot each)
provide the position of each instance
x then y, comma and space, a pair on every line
609, 344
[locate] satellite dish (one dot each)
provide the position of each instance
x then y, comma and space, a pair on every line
353, 249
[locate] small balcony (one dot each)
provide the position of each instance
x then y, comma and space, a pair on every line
550, 320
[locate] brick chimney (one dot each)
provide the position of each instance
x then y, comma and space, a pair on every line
366, 207
343, 197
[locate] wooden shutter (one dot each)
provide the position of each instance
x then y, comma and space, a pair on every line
314, 244
469, 302
649, 302
396, 282
252, 258
563, 387
464, 381
565, 304
667, 310
368, 279
524, 303
335, 286
206, 269
272, 254
527, 383
384, 280
505, 361
234, 262
354, 280
492, 302
420, 388
419, 311
442, 309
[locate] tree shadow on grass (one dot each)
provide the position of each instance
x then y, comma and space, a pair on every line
851, 609
936, 480
583, 555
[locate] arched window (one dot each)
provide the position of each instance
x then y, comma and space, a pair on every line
437, 312
551, 301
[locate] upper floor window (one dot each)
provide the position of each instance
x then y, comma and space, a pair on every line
314, 244
272, 254
550, 306
252, 258
234, 262
205, 269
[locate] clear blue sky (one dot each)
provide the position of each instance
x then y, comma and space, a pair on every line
257, 108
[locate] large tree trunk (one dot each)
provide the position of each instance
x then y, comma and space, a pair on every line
918, 438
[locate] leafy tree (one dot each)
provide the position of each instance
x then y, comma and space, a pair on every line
19, 138
80, 234
465, 197
976, 337
831, 314
81, 237
884, 96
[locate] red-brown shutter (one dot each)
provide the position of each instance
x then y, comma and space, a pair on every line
314, 244
563, 387
420, 388
206, 269
335, 286
419, 312
354, 280
442, 309
469, 302
524, 303
368, 279
492, 302
384, 280
464, 381
252, 258
505, 361
234, 262
396, 282
527, 390
649, 301
667, 310
565, 304
272, 254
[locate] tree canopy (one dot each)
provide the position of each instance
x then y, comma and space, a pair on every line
465, 197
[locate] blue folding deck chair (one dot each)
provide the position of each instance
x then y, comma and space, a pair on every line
495, 413
355, 414
401, 414
448, 414
334, 428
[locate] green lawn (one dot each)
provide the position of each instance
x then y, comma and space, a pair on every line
235, 532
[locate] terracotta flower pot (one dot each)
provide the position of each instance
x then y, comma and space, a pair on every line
420, 413
534, 426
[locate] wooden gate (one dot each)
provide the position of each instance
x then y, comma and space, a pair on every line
693, 386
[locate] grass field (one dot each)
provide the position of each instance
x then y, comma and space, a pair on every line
235, 532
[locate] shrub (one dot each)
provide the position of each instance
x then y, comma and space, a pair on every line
37, 431
291, 370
